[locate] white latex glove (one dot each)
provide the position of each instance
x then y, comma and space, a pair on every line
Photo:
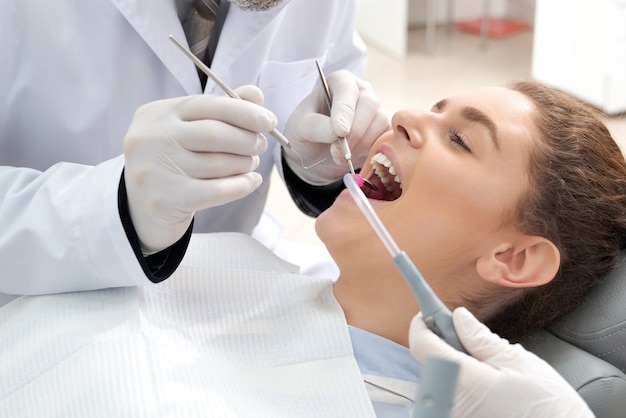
356, 114
191, 153
500, 379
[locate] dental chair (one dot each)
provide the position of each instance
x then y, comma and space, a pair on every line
588, 346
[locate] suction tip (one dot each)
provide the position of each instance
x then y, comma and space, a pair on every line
360, 181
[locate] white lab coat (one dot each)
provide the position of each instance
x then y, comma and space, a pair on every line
68, 90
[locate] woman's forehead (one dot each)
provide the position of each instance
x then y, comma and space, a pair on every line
495, 98
511, 111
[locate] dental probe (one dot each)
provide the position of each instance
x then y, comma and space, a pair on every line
343, 142
230, 92
436, 315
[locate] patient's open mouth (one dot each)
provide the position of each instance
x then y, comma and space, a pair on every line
385, 178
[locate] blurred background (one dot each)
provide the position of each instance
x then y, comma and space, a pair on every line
423, 50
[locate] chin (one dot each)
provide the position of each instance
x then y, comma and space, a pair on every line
323, 226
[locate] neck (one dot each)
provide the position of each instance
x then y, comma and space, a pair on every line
377, 301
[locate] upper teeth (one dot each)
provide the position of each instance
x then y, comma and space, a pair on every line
379, 160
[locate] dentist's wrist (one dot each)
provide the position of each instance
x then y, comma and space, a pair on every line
310, 199
161, 265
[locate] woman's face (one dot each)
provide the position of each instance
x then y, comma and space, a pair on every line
454, 176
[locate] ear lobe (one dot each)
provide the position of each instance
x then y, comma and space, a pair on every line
531, 262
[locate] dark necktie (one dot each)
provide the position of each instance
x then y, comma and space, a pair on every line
198, 26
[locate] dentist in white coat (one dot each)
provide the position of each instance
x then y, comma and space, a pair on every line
109, 148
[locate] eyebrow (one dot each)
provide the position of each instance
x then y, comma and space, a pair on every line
474, 115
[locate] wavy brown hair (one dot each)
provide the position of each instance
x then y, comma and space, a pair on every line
576, 199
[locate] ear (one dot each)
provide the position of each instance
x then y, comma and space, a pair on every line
529, 262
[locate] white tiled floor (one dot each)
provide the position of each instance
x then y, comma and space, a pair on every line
458, 63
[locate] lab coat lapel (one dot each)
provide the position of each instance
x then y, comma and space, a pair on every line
154, 21
239, 31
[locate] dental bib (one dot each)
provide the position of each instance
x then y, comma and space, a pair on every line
235, 332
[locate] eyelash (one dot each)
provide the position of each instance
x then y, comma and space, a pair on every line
457, 139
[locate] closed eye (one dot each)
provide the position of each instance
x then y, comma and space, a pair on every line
457, 138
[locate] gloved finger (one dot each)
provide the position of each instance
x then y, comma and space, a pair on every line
251, 94
366, 113
490, 348
338, 157
345, 92
363, 137
240, 113
423, 342
214, 192
478, 340
365, 110
378, 127
315, 127
218, 136
215, 166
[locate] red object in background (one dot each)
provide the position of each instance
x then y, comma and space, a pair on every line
498, 28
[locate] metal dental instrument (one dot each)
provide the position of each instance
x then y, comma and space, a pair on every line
343, 142
436, 315
230, 92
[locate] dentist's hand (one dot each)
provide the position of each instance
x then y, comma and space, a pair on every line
500, 379
356, 115
191, 153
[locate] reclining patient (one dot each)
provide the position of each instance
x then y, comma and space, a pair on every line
511, 201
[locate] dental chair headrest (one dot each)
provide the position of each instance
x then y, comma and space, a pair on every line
598, 325
588, 345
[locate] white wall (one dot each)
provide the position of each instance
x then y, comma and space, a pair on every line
472, 9
523, 10
384, 23
579, 48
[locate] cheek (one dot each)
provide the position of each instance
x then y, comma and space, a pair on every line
445, 212
462, 192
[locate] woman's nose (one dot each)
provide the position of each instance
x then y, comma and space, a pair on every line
411, 125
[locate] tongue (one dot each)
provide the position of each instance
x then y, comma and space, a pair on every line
380, 194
